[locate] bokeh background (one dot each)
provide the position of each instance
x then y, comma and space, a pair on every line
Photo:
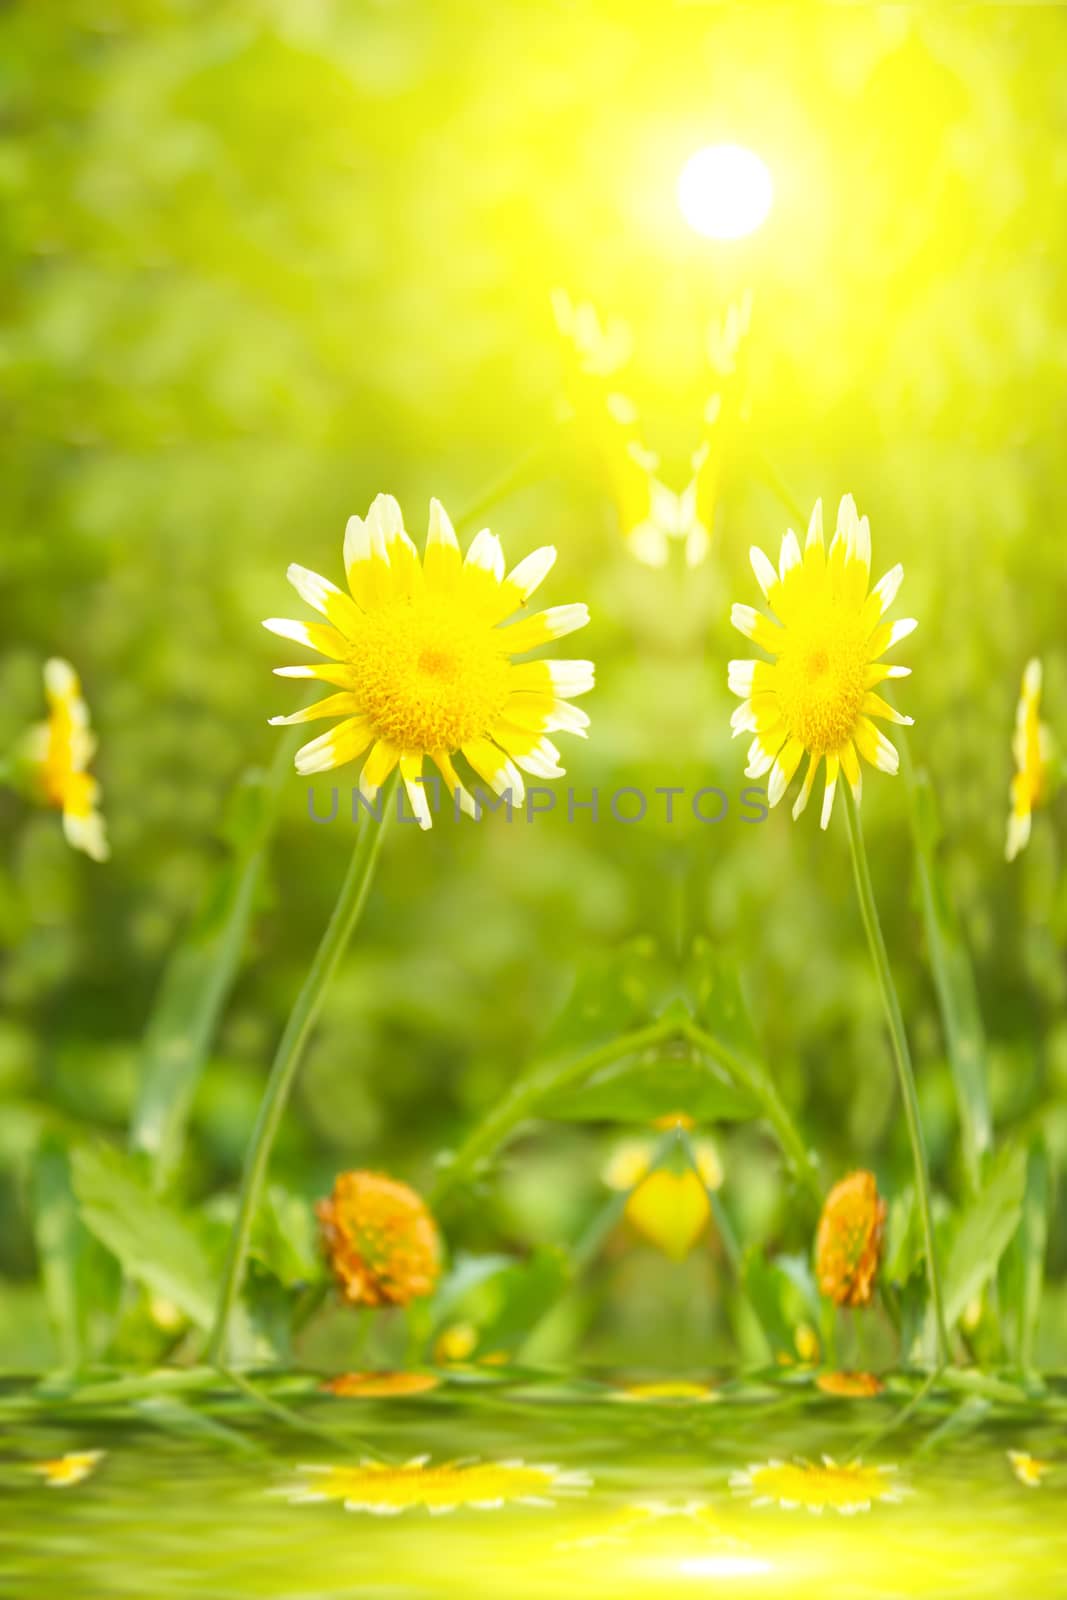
265, 258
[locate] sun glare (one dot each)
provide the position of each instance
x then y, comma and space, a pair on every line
725, 191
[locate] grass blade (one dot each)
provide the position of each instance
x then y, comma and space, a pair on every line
201, 974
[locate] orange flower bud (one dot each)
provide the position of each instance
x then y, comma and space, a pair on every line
848, 1246
380, 1240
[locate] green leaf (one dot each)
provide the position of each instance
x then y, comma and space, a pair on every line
642, 1090
503, 1297
954, 980
978, 1236
154, 1243
201, 973
285, 1238
79, 1288
1023, 1270
767, 1290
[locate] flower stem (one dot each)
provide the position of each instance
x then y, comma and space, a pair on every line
902, 1058
346, 913
526, 1095
788, 1135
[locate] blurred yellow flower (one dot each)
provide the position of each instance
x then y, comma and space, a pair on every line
818, 1488
58, 753
848, 1244
670, 1208
817, 697
671, 1389
483, 1485
424, 666
1028, 1469
65, 1471
1032, 750
380, 1240
850, 1385
455, 1343
380, 1385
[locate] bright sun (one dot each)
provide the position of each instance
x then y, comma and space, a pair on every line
725, 191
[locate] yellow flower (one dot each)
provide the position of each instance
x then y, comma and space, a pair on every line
1028, 1469
817, 697
1032, 750
455, 1343
380, 1385
848, 1245
483, 1485
670, 1208
818, 1488
850, 1385
681, 1389
424, 666
59, 752
380, 1239
65, 1471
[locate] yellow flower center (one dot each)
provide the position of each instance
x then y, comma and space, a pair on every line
836, 1487
820, 677
430, 675
418, 1485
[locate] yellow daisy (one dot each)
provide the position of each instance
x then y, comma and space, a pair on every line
817, 696
483, 1485
818, 1488
59, 752
1028, 1469
1032, 750
424, 663
65, 1471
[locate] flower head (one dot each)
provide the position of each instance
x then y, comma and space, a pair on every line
818, 1488
850, 1385
424, 667
817, 696
1028, 1469
58, 754
65, 1471
848, 1245
380, 1239
482, 1485
380, 1385
1032, 750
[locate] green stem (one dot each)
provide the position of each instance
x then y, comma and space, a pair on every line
524, 1098
764, 1092
902, 1058
346, 913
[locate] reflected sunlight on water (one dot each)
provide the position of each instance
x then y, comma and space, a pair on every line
189, 1498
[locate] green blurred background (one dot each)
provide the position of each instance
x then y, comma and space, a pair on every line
268, 257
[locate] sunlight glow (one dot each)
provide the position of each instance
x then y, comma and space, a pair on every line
725, 191
723, 1567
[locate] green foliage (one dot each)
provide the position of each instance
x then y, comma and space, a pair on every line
264, 260
155, 1244
201, 973
977, 1236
